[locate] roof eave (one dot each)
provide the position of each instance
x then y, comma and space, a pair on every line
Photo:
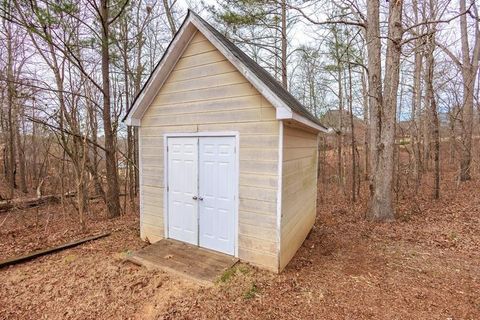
160, 74
279, 104
303, 120
174, 52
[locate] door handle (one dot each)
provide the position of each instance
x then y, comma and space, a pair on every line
200, 198
194, 197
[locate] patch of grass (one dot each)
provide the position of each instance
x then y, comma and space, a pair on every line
227, 275
121, 256
70, 258
243, 269
251, 293
453, 236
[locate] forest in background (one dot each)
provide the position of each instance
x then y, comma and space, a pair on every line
402, 76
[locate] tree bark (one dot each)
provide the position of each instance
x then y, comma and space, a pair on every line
284, 44
169, 14
112, 194
366, 113
416, 102
352, 131
433, 118
381, 205
469, 72
11, 155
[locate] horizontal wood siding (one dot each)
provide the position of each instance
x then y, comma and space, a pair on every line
299, 190
205, 93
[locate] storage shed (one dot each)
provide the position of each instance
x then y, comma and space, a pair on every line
227, 156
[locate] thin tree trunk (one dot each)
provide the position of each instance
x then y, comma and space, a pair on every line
22, 174
284, 44
169, 14
11, 159
366, 113
431, 102
352, 131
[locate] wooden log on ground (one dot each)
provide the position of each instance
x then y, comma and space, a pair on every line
28, 203
39, 253
34, 202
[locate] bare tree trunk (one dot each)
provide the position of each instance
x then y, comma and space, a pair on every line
130, 159
11, 159
22, 179
430, 100
469, 72
352, 130
416, 110
381, 206
169, 14
375, 95
366, 113
112, 194
284, 44
433, 115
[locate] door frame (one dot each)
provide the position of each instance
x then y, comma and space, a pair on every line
234, 134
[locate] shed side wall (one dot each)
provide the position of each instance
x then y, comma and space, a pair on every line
299, 190
203, 93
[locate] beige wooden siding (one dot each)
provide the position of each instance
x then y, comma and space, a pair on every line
203, 93
299, 190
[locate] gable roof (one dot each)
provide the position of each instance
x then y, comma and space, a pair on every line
287, 107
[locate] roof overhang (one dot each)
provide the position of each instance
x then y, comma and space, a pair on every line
174, 51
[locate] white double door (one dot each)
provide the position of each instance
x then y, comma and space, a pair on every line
201, 191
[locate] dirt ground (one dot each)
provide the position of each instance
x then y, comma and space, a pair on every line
426, 265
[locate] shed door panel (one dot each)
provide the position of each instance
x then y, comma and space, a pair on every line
183, 188
217, 193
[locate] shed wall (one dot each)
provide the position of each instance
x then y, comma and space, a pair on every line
299, 190
203, 93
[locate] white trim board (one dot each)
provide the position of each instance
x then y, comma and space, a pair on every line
279, 193
233, 134
180, 42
